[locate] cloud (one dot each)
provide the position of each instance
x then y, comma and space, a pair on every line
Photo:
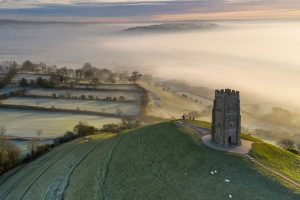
149, 10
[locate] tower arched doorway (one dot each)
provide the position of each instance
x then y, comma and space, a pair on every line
229, 140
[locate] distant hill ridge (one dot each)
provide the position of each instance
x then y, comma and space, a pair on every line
174, 27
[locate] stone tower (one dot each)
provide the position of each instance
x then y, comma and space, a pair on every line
226, 118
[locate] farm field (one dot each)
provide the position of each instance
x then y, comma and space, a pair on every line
89, 105
9, 89
25, 123
160, 161
111, 87
78, 93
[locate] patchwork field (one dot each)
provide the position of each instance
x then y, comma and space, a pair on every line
9, 89
26, 123
78, 93
154, 162
89, 105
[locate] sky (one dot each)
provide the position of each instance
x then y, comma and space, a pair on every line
151, 10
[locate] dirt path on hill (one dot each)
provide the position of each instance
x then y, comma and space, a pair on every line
273, 171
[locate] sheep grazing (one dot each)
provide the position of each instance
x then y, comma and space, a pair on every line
212, 173
227, 180
216, 171
230, 196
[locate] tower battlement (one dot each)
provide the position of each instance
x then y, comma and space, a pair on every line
226, 92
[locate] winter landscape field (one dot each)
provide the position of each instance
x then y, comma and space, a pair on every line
149, 100
72, 104
27, 123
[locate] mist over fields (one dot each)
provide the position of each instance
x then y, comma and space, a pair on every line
261, 59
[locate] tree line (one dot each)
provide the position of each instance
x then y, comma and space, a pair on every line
87, 72
8, 77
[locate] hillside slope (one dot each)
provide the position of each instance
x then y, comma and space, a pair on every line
154, 162
167, 104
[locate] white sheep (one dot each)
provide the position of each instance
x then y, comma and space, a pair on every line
212, 173
227, 180
230, 196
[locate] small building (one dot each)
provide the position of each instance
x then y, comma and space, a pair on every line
226, 118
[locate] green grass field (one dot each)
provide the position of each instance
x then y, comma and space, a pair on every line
202, 124
250, 138
160, 161
279, 159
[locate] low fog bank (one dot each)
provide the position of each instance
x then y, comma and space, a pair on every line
266, 121
261, 60
172, 28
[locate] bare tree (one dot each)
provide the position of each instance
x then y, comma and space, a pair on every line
32, 146
2, 143
298, 146
286, 144
39, 133
34, 143
12, 154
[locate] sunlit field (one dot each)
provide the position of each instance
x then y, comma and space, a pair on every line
27, 123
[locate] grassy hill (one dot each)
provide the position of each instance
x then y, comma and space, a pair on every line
279, 159
155, 162
271, 156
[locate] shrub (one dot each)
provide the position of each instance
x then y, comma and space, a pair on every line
23, 83
9, 154
121, 98
108, 98
83, 129
286, 144
83, 97
68, 136
125, 125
